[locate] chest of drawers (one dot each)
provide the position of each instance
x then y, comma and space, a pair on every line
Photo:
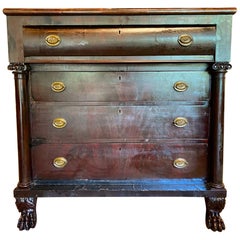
120, 102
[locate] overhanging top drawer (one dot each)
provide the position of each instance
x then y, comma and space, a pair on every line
125, 41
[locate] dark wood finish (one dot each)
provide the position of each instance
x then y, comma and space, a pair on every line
120, 102
214, 205
27, 207
217, 124
119, 86
119, 41
120, 161
192, 187
118, 123
20, 72
117, 18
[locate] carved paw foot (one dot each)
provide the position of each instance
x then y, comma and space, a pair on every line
214, 206
27, 208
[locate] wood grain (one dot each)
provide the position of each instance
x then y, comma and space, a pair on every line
134, 87
118, 123
119, 41
120, 161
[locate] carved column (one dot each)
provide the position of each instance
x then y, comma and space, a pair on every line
214, 205
217, 124
20, 71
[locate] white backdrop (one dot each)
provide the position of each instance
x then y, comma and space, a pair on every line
119, 218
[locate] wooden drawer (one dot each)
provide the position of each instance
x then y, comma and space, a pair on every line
74, 124
119, 86
121, 41
119, 161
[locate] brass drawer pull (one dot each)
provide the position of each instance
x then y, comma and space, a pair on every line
53, 40
180, 163
58, 86
180, 86
185, 40
60, 162
180, 122
59, 123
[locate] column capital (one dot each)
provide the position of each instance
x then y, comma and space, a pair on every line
18, 67
221, 66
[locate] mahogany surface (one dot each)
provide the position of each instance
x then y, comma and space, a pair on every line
120, 102
120, 161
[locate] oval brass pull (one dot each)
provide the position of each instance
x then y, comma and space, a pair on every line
185, 40
58, 86
53, 40
60, 162
59, 123
180, 86
180, 163
180, 122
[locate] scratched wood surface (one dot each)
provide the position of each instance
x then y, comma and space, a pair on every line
119, 86
120, 160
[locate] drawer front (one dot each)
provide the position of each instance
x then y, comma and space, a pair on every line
133, 41
119, 161
74, 124
119, 86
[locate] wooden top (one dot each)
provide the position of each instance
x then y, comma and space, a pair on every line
117, 11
